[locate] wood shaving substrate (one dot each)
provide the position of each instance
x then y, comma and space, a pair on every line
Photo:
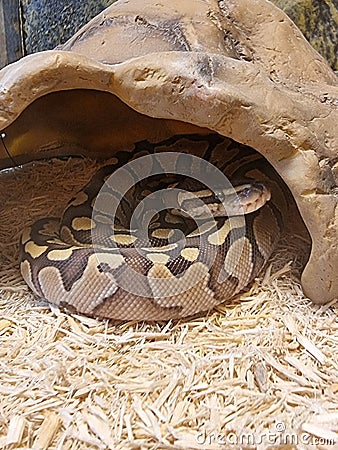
259, 372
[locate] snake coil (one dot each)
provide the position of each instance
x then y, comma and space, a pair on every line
116, 274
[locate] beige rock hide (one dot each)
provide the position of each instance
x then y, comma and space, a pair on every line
151, 69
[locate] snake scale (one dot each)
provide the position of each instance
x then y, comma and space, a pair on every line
181, 266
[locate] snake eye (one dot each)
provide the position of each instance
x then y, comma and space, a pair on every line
246, 191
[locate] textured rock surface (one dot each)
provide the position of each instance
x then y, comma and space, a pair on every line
240, 68
48, 24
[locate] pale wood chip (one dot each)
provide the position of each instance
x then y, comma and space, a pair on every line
15, 431
306, 371
179, 412
167, 391
304, 341
47, 431
101, 428
267, 355
285, 370
81, 433
4, 323
138, 408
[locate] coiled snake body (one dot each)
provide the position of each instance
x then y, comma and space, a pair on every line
183, 265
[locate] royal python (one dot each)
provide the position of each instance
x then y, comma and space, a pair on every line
122, 277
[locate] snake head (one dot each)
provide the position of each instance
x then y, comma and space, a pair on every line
234, 201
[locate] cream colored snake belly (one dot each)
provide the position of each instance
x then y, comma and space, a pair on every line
193, 249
